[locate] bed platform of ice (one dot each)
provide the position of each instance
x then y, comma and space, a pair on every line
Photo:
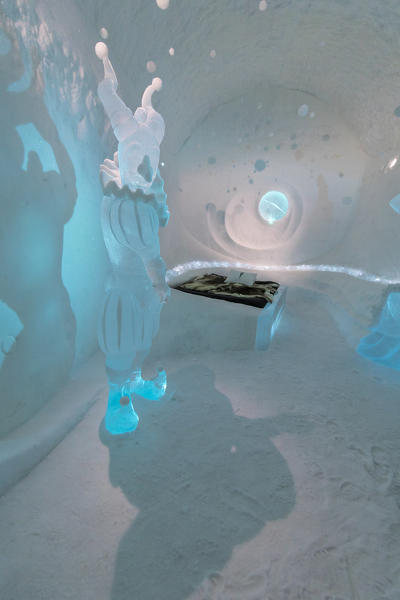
191, 323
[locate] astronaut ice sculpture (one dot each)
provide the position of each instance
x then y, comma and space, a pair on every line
133, 207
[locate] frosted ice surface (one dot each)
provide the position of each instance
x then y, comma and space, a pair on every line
5, 44
24, 82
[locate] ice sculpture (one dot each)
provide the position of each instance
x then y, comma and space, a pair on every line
383, 343
139, 135
134, 206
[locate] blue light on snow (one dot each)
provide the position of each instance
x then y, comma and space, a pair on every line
33, 142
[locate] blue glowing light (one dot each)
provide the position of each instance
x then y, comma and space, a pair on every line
273, 206
195, 265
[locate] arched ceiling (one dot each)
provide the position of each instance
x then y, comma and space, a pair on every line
346, 52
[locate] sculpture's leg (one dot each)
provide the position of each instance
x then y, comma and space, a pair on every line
119, 322
151, 389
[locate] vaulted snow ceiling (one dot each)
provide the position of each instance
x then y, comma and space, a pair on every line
345, 52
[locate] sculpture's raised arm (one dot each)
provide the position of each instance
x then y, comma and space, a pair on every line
139, 135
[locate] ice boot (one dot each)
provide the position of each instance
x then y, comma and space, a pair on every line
120, 416
151, 389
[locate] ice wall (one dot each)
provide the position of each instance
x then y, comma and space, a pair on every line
233, 75
52, 254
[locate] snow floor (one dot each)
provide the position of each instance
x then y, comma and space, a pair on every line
264, 476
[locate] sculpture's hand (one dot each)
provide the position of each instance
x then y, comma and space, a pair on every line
156, 271
163, 291
101, 50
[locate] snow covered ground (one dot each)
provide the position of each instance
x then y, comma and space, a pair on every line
265, 476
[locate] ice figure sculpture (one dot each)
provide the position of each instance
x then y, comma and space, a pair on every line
134, 206
139, 135
383, 343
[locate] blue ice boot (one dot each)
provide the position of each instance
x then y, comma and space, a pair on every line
151, 389
120, 416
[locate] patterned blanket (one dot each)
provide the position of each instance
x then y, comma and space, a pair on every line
215, 286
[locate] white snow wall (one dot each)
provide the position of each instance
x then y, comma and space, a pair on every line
339, 55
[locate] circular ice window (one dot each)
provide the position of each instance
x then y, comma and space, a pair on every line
273, 206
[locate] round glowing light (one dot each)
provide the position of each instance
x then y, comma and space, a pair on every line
273, 206
104, 33
171, 51
263, 5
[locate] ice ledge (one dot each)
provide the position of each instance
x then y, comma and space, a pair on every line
29, 444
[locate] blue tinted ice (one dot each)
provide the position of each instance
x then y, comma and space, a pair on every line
133, 208
395, 203
268, 321
383, 343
